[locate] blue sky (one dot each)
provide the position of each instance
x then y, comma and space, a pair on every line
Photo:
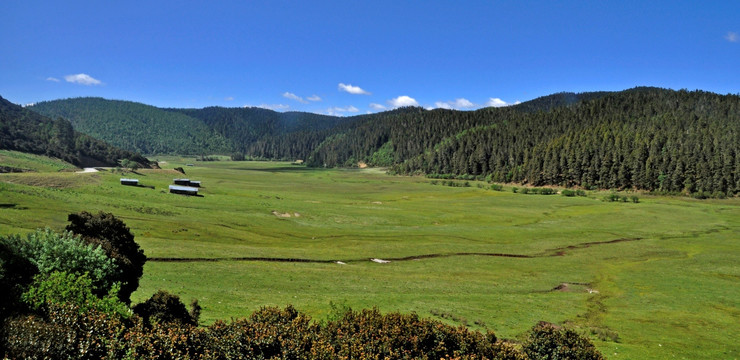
353, 57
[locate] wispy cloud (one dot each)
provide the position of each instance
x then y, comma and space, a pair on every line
378, 107
290, 95
352, 89
52, 79
731, 36
402, 101
313, 98
460, 103
229, 98
339, 110
82, 79
496, 102
276, 107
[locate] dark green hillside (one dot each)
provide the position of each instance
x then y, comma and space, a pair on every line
244, 126
27, 131
674, 141
136, 127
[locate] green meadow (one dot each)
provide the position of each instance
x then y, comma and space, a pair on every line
654, 279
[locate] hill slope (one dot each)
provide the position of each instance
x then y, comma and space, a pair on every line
151, 130
136, 127
26, 131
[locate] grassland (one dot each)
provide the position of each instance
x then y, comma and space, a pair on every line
656, 279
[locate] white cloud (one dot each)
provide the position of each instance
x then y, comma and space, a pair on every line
338, 110
52, 79
313, 98
82, 79
441, 105
229, 98
459, 103
276, 107
377, 107
402, 101
463, 103
295, 97
496, 102
352, 89
731, 36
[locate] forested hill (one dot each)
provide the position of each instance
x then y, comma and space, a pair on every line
151, 130
242, 127
653, 139
136, 127
27, 131
644, 138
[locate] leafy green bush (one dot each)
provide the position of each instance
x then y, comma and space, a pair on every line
547, 191
60, 288
497, 187
51, 252
568, 193
546, 341
115, 238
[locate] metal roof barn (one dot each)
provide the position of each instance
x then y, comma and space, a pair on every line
184, 182
125, 181
184, 190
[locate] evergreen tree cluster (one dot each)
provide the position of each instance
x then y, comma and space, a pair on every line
27, 131
673, 141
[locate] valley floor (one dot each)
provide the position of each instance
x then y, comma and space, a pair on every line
654, 279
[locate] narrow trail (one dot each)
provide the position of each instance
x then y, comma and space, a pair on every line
559, 251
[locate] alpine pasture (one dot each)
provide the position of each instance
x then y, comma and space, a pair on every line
644, 280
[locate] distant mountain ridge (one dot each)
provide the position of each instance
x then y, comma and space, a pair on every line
27, 131
644, 138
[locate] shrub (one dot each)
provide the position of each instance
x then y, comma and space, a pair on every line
635, 199
547, 191
51, 252
568, 193
580, 193
514, 189
16, 273
64, 332
164, 307
546, 341
115, 238
525, 190
60, 288
497, 187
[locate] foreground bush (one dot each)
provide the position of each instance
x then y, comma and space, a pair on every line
65, 332
547, 341
116, 239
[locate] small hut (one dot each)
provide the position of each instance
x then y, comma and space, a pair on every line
183, 190
130, 182
183, 182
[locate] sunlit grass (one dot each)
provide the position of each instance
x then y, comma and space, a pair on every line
672, 289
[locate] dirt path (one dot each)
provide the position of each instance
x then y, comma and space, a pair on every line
560, 251
87, 170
